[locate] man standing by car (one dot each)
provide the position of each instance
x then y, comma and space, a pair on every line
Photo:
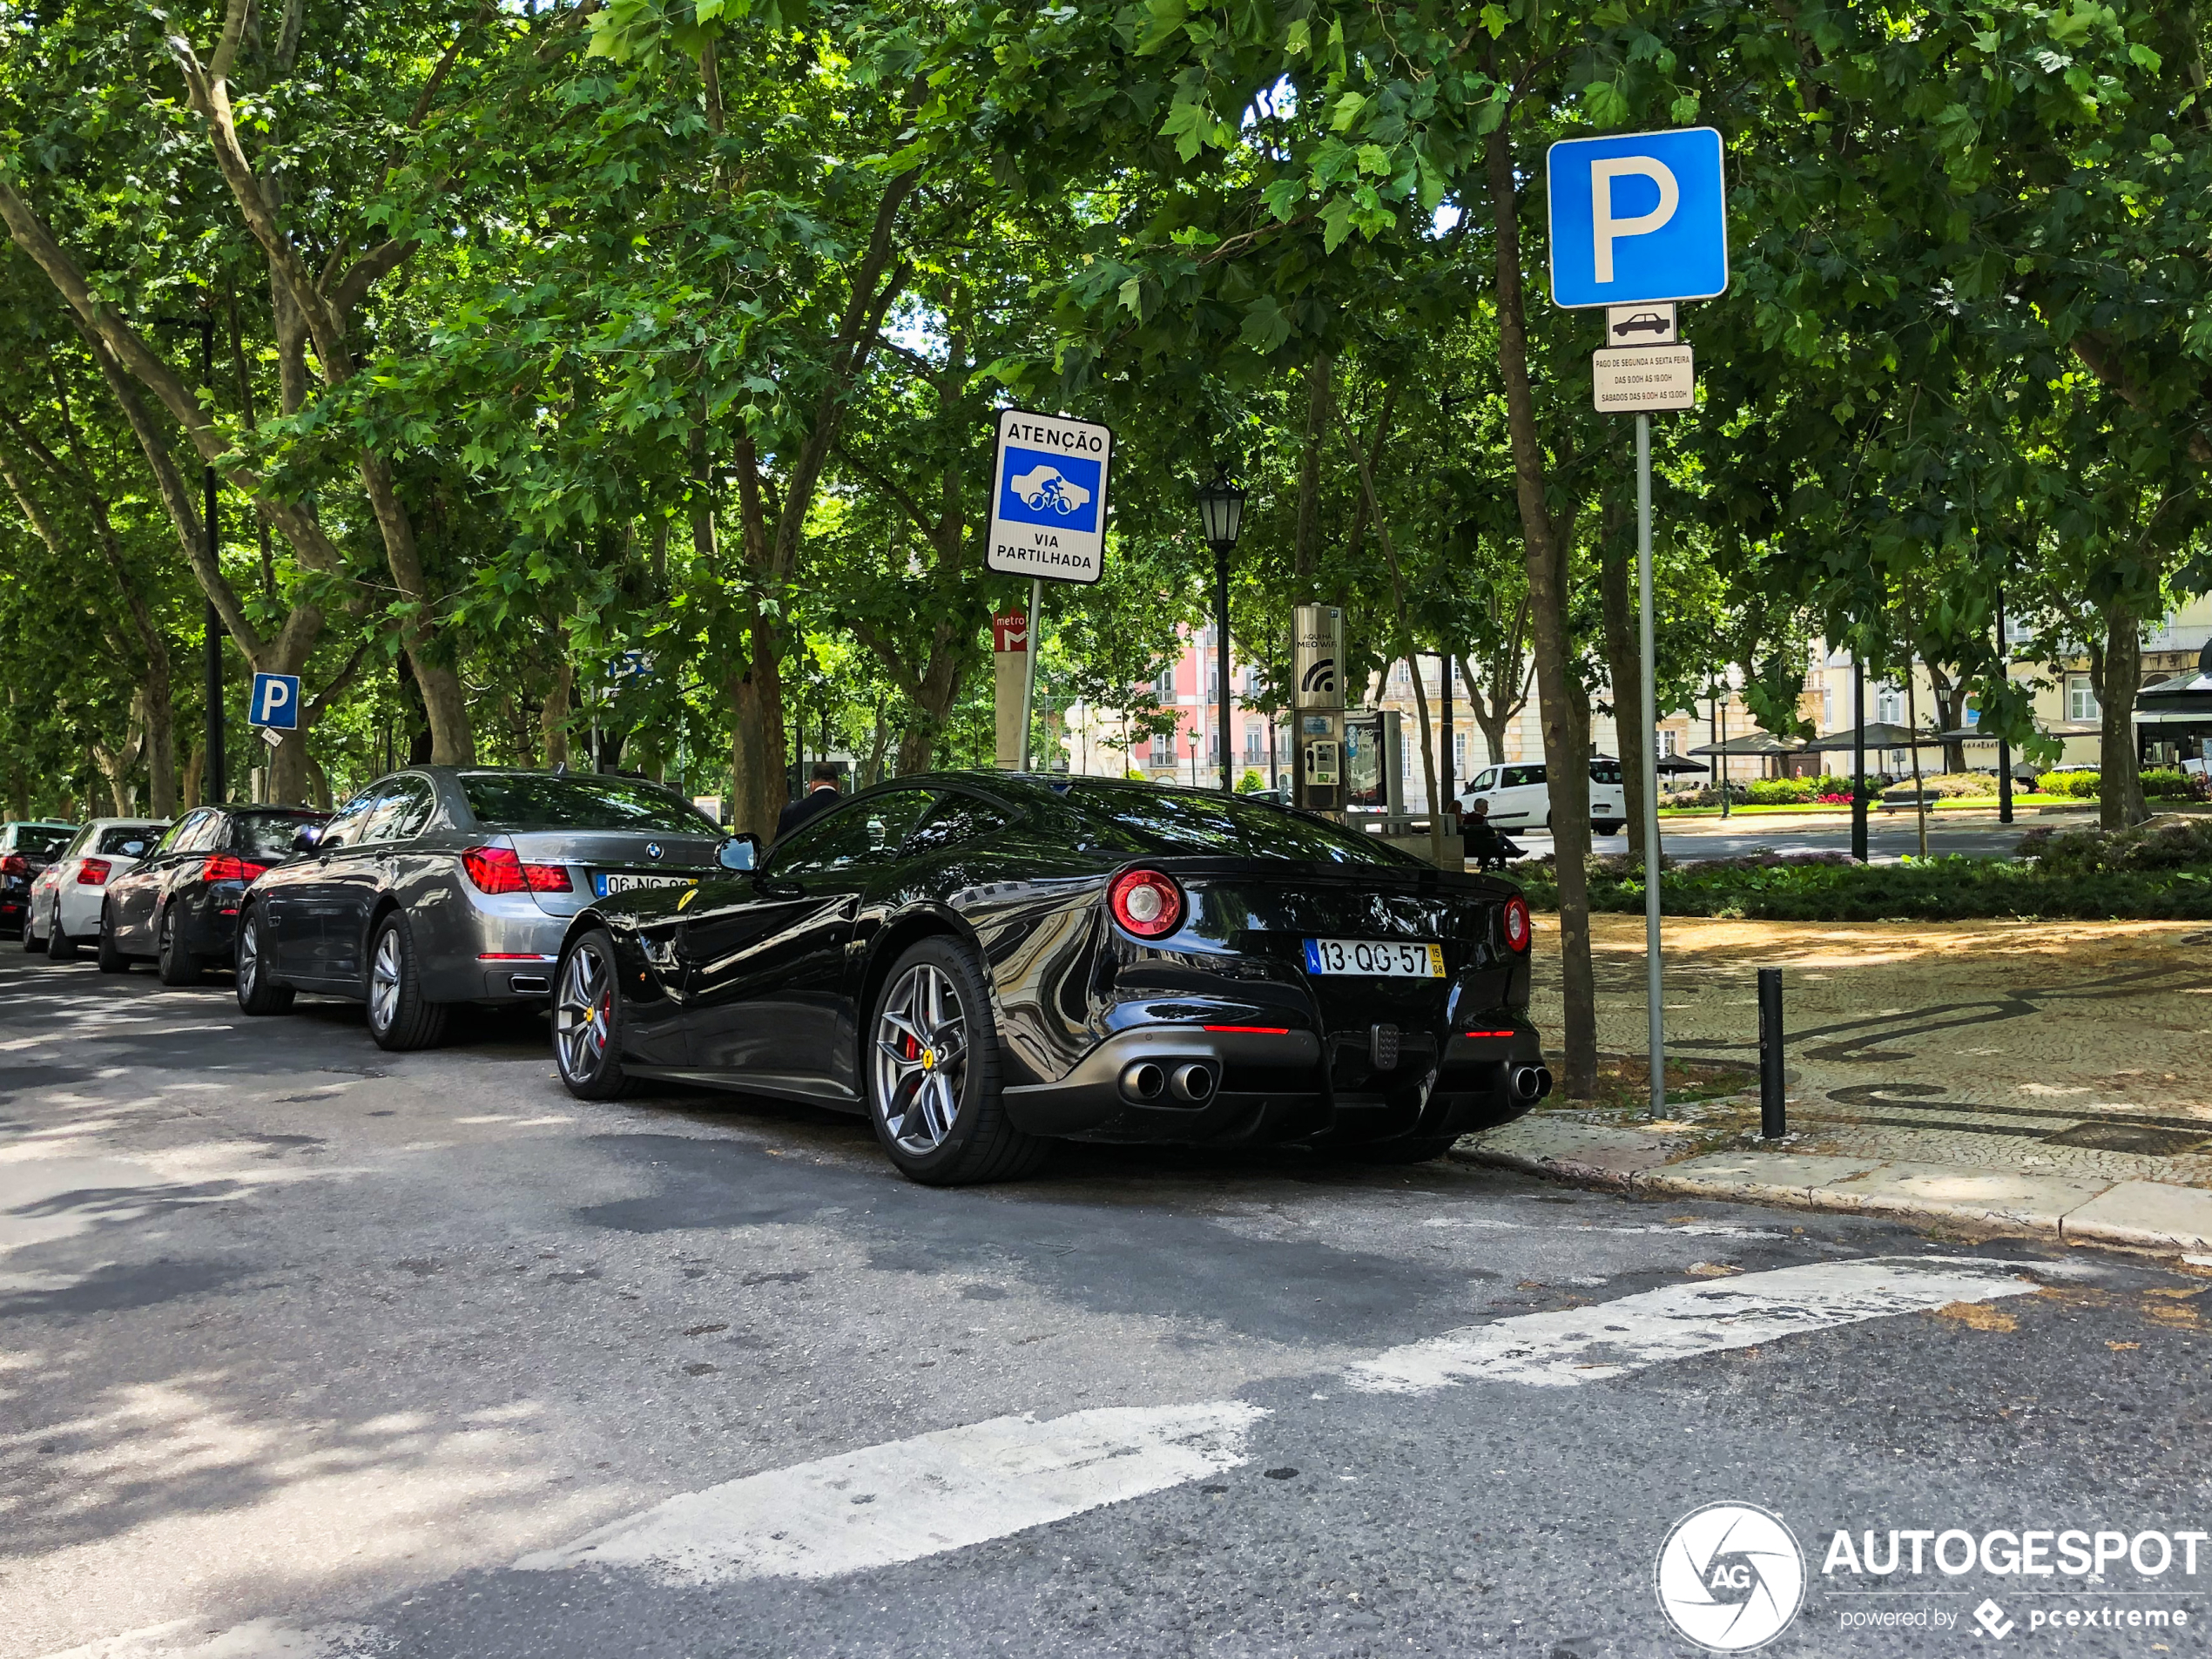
821, 795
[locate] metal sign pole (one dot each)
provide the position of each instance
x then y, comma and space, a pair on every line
1652, 964
1029, 674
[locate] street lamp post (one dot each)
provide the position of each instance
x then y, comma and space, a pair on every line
1193, 741
1221, 508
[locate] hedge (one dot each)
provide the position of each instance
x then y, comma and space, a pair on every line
2161, 871
2159, 783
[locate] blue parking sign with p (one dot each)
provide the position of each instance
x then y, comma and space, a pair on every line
1637, 217
276, 702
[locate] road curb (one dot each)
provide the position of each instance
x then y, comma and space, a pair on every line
2148, 1216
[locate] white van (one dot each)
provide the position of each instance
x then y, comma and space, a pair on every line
1519, 798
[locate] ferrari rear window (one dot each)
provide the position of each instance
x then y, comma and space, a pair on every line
587, 801
1157, 821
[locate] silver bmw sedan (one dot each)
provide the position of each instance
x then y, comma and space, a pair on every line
446, 885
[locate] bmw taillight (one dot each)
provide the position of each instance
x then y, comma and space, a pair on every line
15, 864
92, 872
1147, 902
1517, 923
501, 869
228, 867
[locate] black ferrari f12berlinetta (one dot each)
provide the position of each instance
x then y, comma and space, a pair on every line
984, 962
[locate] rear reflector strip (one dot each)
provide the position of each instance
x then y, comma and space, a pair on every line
1486, 1034
1255, 1030
513, 956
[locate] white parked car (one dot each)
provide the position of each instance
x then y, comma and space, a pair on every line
65, 899
1519, 798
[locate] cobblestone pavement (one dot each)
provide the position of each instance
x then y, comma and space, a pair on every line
2073, 1052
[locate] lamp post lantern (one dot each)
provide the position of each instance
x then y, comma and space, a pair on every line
1221, 509
1193, 741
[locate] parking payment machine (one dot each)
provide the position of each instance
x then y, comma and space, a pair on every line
1316, 660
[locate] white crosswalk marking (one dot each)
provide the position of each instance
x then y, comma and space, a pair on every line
1559, 1350
944, 1490
900, 1501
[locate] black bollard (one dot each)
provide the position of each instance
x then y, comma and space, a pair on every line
1772, 1122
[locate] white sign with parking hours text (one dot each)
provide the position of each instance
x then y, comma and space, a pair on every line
1629, 380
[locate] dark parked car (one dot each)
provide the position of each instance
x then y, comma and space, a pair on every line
179, 907
443, 885
981, 962
26, 849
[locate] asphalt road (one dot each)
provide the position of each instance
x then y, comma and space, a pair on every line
1890, 836
308, 1350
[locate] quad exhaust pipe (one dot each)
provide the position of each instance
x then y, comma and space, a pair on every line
1143, 1080
1191, 1083
1529, 1083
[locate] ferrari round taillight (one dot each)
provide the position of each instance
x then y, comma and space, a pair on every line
1517, 922
1146, 902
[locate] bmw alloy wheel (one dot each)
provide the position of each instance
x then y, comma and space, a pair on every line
581, 1012
384, 971
921, 1059
249, 958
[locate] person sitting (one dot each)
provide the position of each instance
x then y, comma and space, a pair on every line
821, 795
1484, 845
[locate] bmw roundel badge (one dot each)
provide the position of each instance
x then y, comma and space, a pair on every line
652, 849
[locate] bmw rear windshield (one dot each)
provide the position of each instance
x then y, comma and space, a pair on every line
115, 839
268, 836
42, 838
580, 801
1146, 820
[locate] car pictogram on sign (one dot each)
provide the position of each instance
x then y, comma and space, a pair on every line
1649, 322
1047, 484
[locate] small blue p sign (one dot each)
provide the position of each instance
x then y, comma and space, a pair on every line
276, 702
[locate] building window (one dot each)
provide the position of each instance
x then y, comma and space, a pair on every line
1458, 754
1670, 741
2081, 698
1164, 687
1213, 747
1251, 743
1827, 708
1162, 749
1888, 705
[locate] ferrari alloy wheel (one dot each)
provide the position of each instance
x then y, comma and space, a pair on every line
932, 1072
921, 1058
399, 1017
587, 1015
